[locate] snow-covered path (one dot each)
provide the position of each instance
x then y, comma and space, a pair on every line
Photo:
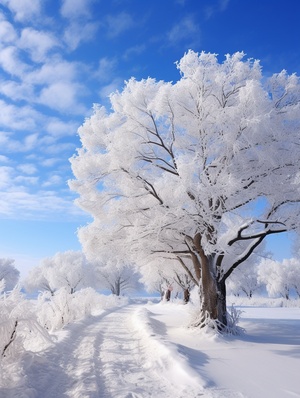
143, 349
105, 356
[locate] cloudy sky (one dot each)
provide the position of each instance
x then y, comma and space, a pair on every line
59, 57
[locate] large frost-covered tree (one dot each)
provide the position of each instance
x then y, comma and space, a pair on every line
200, 170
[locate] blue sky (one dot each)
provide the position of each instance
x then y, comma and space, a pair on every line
59, 57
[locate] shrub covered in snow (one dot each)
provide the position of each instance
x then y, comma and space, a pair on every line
18, 328
54, 311
8, 273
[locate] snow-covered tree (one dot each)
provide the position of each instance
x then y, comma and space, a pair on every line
8, 273
244, 280
118, 278
280, 277
38, 280
274, 275
19, 328
205, 168
68, 269
294, 273
168, 279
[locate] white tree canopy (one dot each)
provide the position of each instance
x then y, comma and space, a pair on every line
280, 277
68, 269
120, 278
9, 274
206, 167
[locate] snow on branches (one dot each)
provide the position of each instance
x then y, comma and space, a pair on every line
200, 170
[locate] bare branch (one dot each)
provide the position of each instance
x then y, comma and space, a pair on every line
187, 271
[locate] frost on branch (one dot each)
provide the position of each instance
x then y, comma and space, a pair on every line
198, 172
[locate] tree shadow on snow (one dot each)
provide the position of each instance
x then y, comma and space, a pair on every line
273, 331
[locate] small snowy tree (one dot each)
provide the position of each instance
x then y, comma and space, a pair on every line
275, 276
119, 279
192, 169
168, 279
18, 329
8, 273
68, 269
294, 273
38, 280
244, 279
280, 278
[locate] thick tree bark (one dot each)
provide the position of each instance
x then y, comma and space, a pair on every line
212, 298
212, 290
221, 302
168, 295
186, 296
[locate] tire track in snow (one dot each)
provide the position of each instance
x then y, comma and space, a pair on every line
71, 367
102, 357
123, 361
134, 367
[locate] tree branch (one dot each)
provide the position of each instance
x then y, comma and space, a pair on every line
187, 271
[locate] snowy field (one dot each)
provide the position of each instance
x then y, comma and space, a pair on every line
144, 349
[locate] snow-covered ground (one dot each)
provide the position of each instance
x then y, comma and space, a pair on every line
144, 349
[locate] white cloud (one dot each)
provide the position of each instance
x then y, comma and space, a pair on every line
56, 148
7, 32
27, 168
106, 68
26, 180
117, 24
220, 6
39, 205
59, 128
13, 145
50, 162
5, 176
16, 90
30, 141
52, 71
80, 29
75, 8
61, 97
38, 43
105, 91
24, 10
79, 32
185, 30
53, 180
135, 50
4, 159
11, 63
14, 117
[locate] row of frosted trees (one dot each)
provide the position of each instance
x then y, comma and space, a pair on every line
66, 284
71, 271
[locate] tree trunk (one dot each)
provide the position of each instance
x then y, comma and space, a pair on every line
221, 300
186, 296
211, 290
168, 295
213, 300
208, 292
